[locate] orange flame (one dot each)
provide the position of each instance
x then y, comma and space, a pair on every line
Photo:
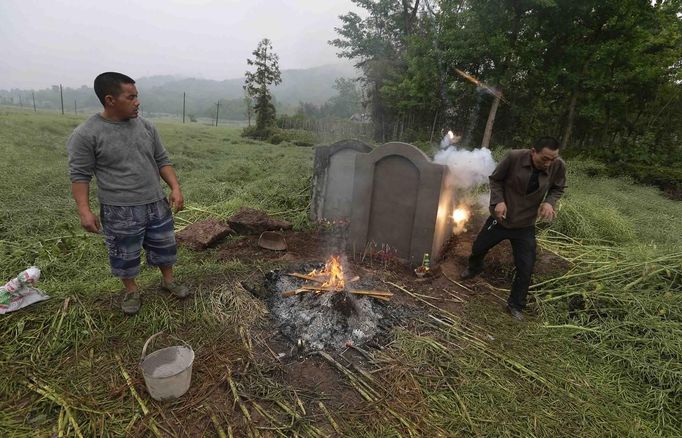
333, 270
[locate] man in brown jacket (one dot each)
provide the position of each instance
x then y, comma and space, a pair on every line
525, 186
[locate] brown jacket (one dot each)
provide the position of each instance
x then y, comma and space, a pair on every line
509, 181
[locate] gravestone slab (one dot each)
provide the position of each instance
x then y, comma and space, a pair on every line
401, 199
333, 179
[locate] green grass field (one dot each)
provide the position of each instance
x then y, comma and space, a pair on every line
603, 357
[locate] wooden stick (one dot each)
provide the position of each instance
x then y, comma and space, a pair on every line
291, 293
372, 292
305, 277
321, 288
384, 295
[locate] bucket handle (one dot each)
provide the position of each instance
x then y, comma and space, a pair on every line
144, 348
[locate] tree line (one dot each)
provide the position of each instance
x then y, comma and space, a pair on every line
601, 75
163, 95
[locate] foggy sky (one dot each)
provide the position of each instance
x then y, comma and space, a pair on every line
47, 42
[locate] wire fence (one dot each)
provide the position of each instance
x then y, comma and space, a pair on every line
327, 130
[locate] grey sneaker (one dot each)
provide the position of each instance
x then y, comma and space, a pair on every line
515, 313
131, 303
178, 290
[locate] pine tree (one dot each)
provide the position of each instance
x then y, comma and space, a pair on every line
256, 85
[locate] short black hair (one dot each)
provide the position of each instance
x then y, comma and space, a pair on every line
109, 83
548, 142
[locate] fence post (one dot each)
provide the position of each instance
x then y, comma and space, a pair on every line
183, 107
61, 96
33, 94
217, 109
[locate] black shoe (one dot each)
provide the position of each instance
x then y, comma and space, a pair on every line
468, 273
515, 313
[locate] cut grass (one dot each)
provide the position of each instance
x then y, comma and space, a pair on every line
567, 373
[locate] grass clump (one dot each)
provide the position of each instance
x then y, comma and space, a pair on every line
585, 216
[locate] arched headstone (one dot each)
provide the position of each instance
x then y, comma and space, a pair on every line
401, 199
333, 179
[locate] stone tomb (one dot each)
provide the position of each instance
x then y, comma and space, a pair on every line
402, 199
333, 179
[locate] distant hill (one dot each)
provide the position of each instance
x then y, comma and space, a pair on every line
313, 85
163, 93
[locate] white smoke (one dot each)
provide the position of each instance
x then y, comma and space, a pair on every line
450, 139
468, 169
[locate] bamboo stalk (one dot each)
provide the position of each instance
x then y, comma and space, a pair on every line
129, 382
299, 403
266, 414
326, 413
145, 410
47, 392
60, 423
369, 394
454, 297
238, 400
219, 430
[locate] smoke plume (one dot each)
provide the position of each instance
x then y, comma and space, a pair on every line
468, 169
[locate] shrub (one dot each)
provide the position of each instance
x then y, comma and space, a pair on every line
256, 133
299, 137
275, 138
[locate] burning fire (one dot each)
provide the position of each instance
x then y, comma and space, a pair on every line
334, 271
331, 279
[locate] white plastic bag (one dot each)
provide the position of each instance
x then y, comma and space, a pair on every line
19, 291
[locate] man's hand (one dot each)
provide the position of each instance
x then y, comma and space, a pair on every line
89, 221
176, 200
501, 211
546, 212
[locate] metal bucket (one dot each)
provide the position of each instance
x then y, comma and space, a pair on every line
167, 372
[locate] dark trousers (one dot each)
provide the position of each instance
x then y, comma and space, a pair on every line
523, 246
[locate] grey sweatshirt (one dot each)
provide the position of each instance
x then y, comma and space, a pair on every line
125, 158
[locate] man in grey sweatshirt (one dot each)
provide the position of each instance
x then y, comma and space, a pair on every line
125, 155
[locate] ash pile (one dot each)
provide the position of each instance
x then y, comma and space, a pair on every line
330, 320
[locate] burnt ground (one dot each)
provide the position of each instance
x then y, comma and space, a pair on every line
308, 372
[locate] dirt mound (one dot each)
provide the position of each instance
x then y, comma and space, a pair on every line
252, 221
203, 234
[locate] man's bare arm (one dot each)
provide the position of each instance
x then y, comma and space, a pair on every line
176, 200
81, 191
